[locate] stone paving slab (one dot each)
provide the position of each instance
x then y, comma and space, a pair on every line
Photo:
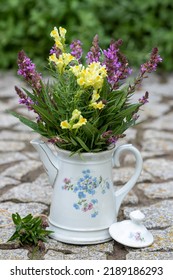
17, 135
6, 120
19, 170
123, 174
149, 256
29, 192
158, 215
162, 123
156, 145
7, 208
6, 233
161, 168
54, 255
12, 157
11, 146
5, 181
62, 251
159, 190
15, 254
24, 188
150, 134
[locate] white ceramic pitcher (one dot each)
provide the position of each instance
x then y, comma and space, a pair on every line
84, 201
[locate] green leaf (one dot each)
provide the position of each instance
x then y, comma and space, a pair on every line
73, 141
13, 237
83, 145
27, 219
129, 110
45, 115
90, 130
27, 122
16, 218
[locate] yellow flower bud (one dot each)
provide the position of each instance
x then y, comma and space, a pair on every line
95, 96
75, 114
62, 32
54, 33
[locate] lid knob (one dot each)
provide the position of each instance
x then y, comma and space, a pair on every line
137, 216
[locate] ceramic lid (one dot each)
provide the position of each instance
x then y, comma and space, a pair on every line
132, 232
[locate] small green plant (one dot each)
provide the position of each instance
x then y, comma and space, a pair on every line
29, 230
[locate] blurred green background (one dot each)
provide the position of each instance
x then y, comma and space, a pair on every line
142, 25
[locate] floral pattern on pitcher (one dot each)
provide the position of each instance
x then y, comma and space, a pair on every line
85, 188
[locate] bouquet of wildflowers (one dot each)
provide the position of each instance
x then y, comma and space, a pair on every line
86, 107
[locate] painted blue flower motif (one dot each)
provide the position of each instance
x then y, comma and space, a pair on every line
75, 189
81, 195
92, 192
107, 184
94, 201
85, 188
93, 215
87, 171
76, 206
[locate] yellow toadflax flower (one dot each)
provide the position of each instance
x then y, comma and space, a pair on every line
65, 125
59, 37
76, 115
98, 105
93, 75
76, 69
62, 32
82, 121
53, 58
62, 61
95, 96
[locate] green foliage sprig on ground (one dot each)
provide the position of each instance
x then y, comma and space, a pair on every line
27, 24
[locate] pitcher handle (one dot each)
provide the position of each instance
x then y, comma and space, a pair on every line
121, 193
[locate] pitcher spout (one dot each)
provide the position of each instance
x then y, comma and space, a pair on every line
48, 159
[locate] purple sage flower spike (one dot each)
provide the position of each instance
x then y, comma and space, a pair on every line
94, 54
76, 49
27, 69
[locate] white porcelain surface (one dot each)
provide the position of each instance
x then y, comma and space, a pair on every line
84, 201
132, 232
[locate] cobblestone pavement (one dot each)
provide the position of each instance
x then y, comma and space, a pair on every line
24, 187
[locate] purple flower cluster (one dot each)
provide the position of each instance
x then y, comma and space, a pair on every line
116, 64
144, 99
56, 139
24, 99
148, 67
76, 49
110, 138
28, 71
94, 54
55, 50
27, 101
151, 65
